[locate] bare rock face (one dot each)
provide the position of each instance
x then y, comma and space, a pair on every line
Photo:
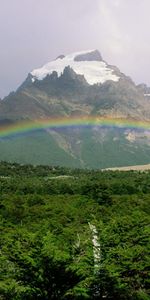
91, 56
60, 56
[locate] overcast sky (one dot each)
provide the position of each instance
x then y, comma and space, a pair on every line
32, 32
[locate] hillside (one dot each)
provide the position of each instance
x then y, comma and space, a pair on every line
77, 86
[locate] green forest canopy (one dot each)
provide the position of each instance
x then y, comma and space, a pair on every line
46, 242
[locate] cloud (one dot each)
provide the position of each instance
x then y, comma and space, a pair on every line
114, 39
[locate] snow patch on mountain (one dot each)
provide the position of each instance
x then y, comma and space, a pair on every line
94, 71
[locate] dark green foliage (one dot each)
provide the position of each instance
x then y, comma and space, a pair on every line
46, 241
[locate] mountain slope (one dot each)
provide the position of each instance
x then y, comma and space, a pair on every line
77, 85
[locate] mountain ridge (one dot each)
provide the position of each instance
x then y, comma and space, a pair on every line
88, 63
63, 88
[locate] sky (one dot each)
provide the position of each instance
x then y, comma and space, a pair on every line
33, 32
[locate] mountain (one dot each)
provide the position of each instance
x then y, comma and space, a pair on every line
79, 85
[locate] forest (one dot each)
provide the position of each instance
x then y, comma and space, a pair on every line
72, 234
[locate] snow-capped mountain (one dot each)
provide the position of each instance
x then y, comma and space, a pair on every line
78, 85
86, 63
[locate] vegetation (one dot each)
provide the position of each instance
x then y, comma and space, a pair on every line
47, 249
54, 147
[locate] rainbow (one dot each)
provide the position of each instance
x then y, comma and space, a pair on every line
23, 127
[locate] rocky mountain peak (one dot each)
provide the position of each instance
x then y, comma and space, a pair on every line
89, 56
60, 56
86, 63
